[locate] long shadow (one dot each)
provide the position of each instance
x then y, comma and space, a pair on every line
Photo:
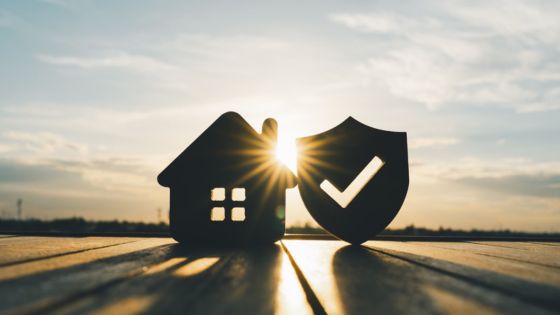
169, 279
367, 284
370, 281
243, 281
51, 288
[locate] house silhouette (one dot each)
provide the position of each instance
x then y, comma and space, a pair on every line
227, 187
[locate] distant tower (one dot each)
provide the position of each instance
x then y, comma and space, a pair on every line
159, 220
19, 209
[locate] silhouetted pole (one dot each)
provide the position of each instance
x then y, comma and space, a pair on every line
159, 215
19, 209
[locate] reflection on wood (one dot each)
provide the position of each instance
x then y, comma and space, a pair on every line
76, 258
17, 250
290, 298
194, 267
96, 275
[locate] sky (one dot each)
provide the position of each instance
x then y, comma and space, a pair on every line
97, 97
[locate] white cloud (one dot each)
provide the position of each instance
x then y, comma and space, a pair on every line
106, 188
115, 175
227, 47
499, 53
115, 60
195, 64
430, 142
537, 19
474, 167
383, 22
5, 148
43, 143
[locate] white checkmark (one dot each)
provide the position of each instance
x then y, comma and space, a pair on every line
345, 197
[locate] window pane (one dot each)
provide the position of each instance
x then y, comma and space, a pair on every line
238, 194
238, 214
218, 194
218, 214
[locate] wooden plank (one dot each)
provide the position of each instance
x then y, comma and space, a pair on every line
524, 281
549, 257
157, 276
547, 243
26, 249
452, 252
355, 280
531, 255
244, 281
57, 262
532, 246
39, 285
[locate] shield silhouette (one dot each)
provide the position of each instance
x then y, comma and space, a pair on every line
339, 158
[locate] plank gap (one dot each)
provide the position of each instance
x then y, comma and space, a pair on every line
312, 298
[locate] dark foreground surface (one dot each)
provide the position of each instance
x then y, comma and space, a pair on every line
134, 275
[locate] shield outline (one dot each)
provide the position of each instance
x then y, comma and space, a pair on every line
338, 155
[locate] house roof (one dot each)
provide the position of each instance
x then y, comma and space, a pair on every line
228, 147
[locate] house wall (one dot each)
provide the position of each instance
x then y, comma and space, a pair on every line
190, 216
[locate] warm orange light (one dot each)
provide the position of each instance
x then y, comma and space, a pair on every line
196, 266
286, 151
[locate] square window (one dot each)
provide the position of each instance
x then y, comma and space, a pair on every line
238, 214
218, 214
238, 194
218, 194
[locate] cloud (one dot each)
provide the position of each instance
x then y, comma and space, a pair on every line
227, 47
474, 167
521, 185
534, 19
242, 64
5, 148
514, 176
115, 175
89, 177
44, 151
97, 189
383, 22
430, 142
121, 60
490, 53
44, 143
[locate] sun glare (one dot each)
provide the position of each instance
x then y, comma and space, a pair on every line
286, 151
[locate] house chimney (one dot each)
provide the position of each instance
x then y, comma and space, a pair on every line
270, 130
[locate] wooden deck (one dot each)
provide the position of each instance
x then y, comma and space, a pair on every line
133, 275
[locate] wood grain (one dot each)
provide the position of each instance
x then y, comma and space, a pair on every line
469, 255
355, 280
527, 282
257, 281
26, 249
36, 285
117, 275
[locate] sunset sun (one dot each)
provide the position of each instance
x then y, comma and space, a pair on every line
286, 151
